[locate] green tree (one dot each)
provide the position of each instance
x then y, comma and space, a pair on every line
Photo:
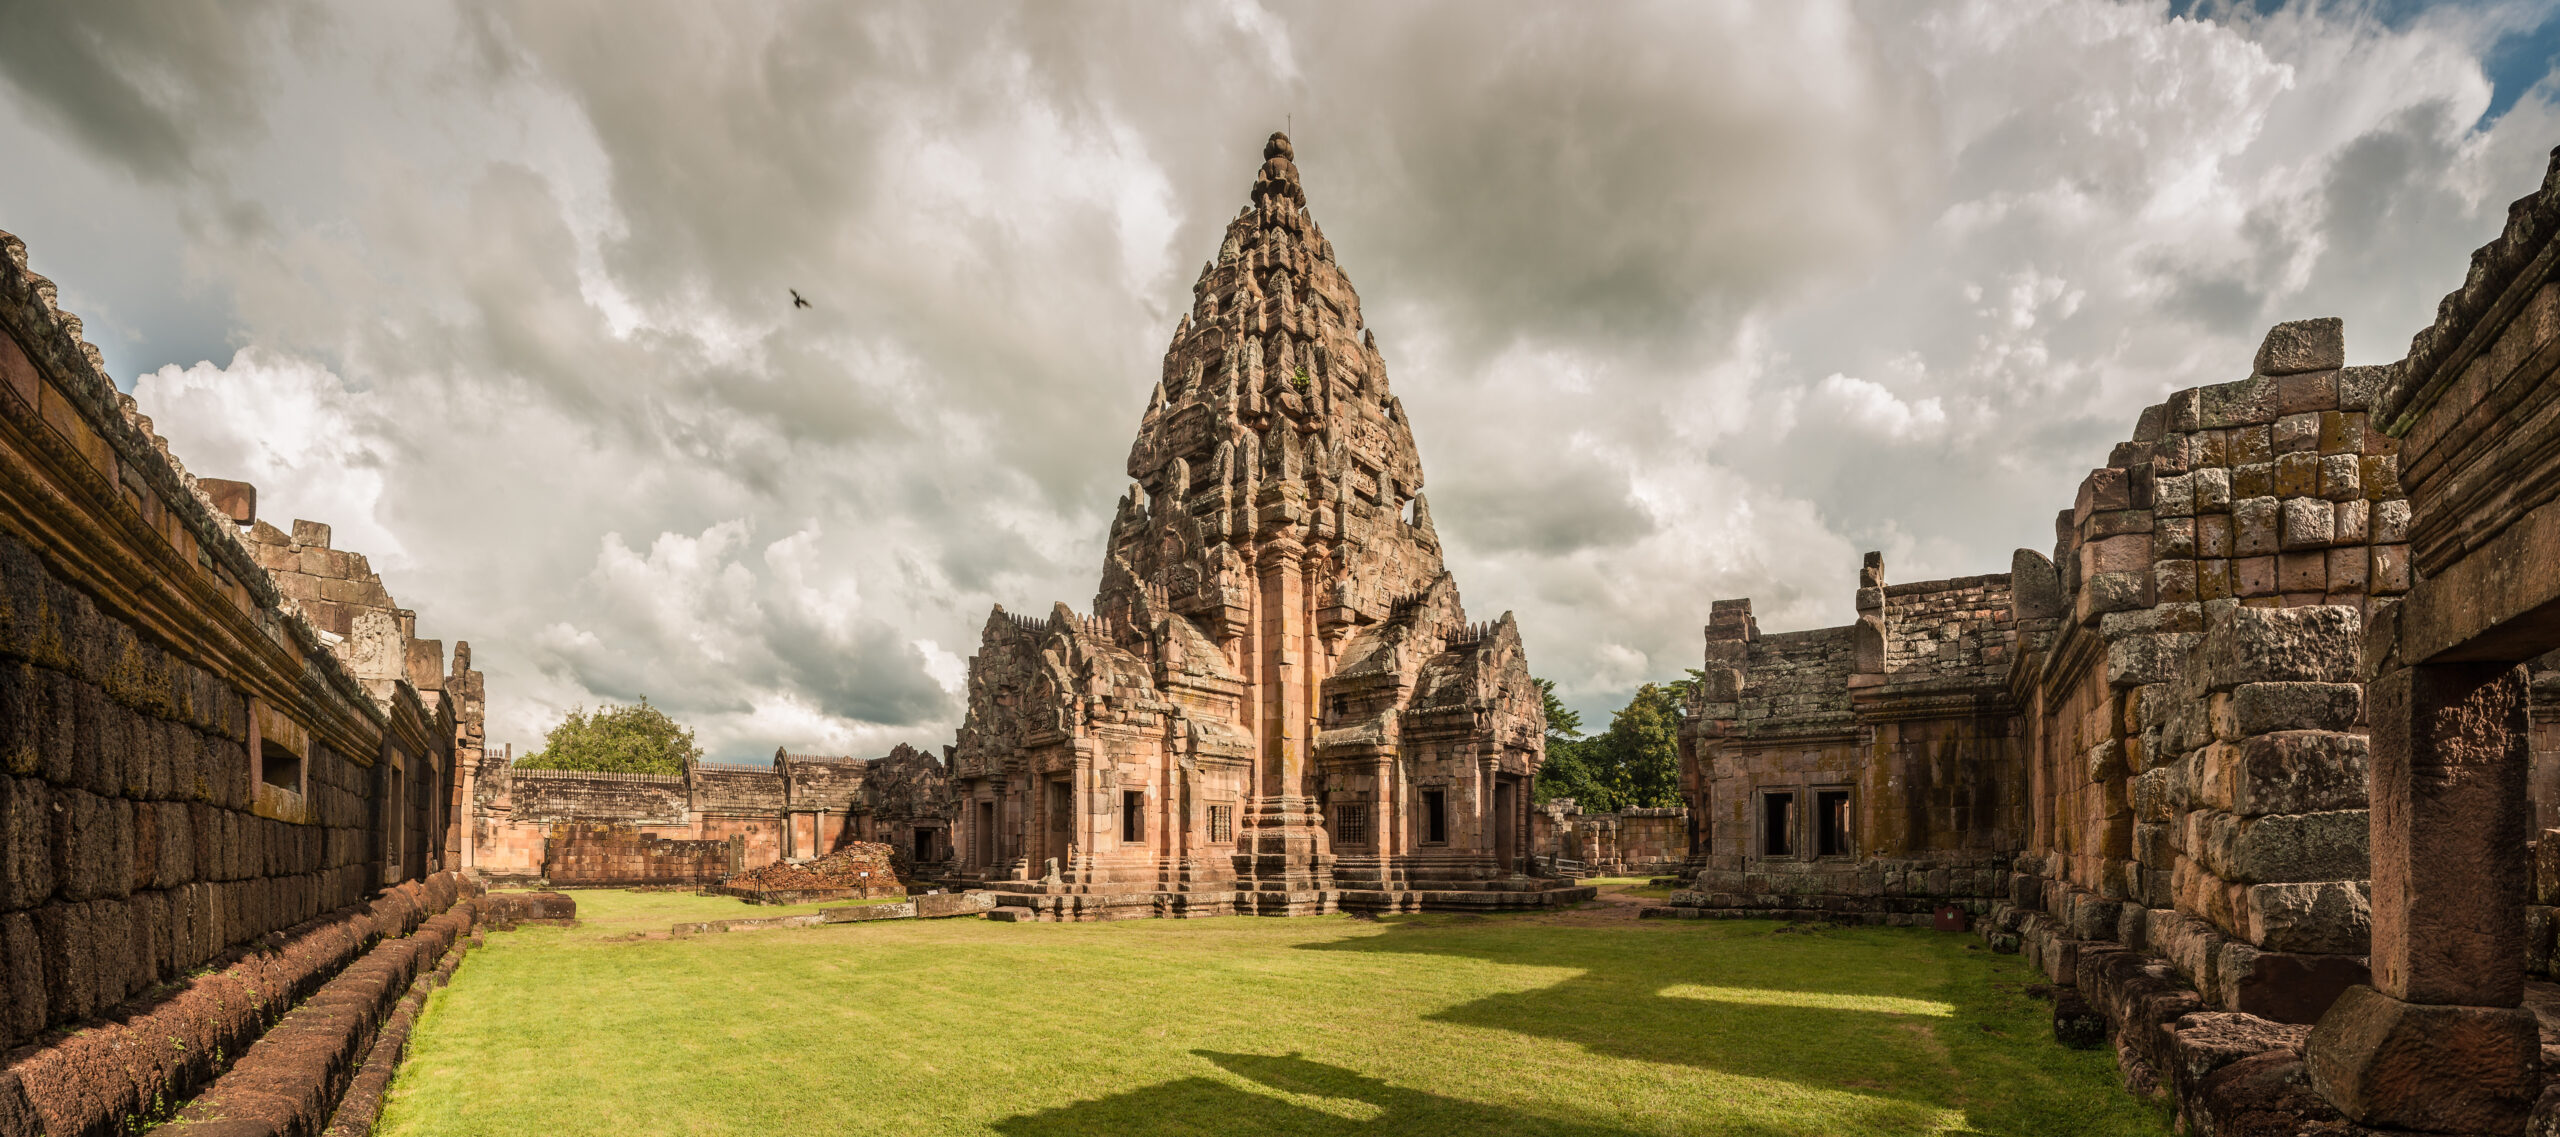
1642, 763
1568, 771
636, 739
1562, 721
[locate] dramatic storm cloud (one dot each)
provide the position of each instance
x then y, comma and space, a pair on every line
1686, 301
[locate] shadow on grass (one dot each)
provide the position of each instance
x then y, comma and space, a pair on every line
1651, 1002
1321, 1099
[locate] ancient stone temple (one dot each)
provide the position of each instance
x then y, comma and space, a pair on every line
1278, 705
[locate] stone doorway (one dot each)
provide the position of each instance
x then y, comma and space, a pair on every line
1060, 834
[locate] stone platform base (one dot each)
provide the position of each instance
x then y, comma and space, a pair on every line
1485, 896
1898, 911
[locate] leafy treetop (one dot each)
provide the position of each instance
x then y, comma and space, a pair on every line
635, 739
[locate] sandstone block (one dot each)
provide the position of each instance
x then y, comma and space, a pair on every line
2246, 402
2212, 486
2207, 1041
25, 994
92, 844
2214, 580
2297, 847
2191, 945
2290, 987
2390, 572
2261, 645
2430, 1067
2174, 538
2297, 432
2297, 475
2256, 525
2113, 592
2253, 576
2381, 476
2304, 573
2307, 523
2342, 432
2174, 496
2299, 346
2264, 708
2341, 478
2251, 446
2334, 917
2252, 480
26, 843
2349, 571
2390, 521
68, 951
2290, 772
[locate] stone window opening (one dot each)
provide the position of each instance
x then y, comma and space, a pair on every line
1133, 815
1222, 823
279, 766
1832, 836
1351, 823
1778, 825
1435, 817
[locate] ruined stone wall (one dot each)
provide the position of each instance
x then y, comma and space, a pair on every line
1870, 771
1947, 630
592, 855
2198, 720
189, 769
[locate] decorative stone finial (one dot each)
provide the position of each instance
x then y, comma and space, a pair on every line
1278, 147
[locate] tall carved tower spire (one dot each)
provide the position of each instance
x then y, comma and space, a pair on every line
1277, 706
1274, 478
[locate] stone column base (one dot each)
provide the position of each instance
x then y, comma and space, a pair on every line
2427, 1067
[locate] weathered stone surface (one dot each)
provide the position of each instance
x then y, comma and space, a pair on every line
2303, 345
2317, 644
2265, 1095
2429, 1067
2264, 708
2449, 759
2326, 916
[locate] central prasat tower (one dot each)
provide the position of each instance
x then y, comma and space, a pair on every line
1277, 705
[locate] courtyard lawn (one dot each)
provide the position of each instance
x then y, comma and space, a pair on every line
1418, 1025
1640, 887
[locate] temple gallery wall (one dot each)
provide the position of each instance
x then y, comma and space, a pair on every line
2258, 762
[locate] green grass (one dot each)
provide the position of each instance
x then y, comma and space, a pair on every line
606, 915
1418, 1025
1629, 886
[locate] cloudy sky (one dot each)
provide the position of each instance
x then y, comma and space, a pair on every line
1686, 301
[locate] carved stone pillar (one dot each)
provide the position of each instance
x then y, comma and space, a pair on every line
2440, 1043
1282, 864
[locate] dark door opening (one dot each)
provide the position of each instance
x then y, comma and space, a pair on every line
1062, 800
1133, 815
1778, 825
1435, 818
924, 845
1506, 796
1831, 820
986, 833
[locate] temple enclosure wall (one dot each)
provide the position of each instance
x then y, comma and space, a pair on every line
2251, 765
716, 819
226, 771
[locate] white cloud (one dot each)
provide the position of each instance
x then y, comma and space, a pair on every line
1685, 302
